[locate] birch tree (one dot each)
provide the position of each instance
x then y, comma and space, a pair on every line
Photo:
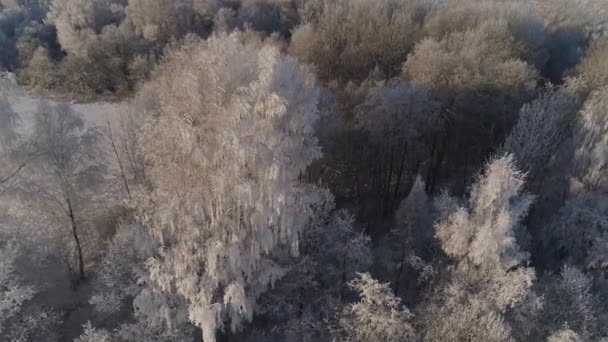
232, 132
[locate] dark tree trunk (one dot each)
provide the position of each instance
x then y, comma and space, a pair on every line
76, 241
399, 273
399, 175
120, 166
389, 180
434, 173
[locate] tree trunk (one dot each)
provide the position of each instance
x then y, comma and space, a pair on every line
438, 161
120, 166
429, 171
399, 174
343, 285
388, 183
76, 240
399, 273
197, 334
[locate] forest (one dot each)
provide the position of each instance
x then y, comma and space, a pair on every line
304, 170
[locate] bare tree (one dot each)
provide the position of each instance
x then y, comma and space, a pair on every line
68, 168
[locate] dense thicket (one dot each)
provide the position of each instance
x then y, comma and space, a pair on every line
304, 170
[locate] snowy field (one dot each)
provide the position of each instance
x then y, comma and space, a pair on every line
94, 114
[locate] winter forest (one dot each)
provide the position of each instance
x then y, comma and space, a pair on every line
304, 170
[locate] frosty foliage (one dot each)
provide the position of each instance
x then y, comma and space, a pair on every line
490, 286
591, 139
91, 334
378, 316
591, 68
160, 20
67, 170
585, 214
410, 240
123, 285
485, 233
235, 131
395, 113
412, 217
542, 126
347, 39
331, 254
122, 270
482, 58
564, 335
570, 301
266, 154
20, 319
13, 294
78, 22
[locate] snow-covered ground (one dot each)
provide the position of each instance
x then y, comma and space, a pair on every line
94, 114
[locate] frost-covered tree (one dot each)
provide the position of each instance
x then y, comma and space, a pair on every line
488, 293
78, 22
121, 132
485, 234
122, 272
564, 335
67, 170
576, 233
591, 68
21, 319
344, 250
123, 291
269, 16
591, 141
129, 124
572, 25
413, 215
413, 232
543, 125
91, 334
378, 316
571, 301
40, 71
349, 38
12, 294
159, 20
230, 135
331, 253
482, 59
99, 44
523, 24
123, 297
